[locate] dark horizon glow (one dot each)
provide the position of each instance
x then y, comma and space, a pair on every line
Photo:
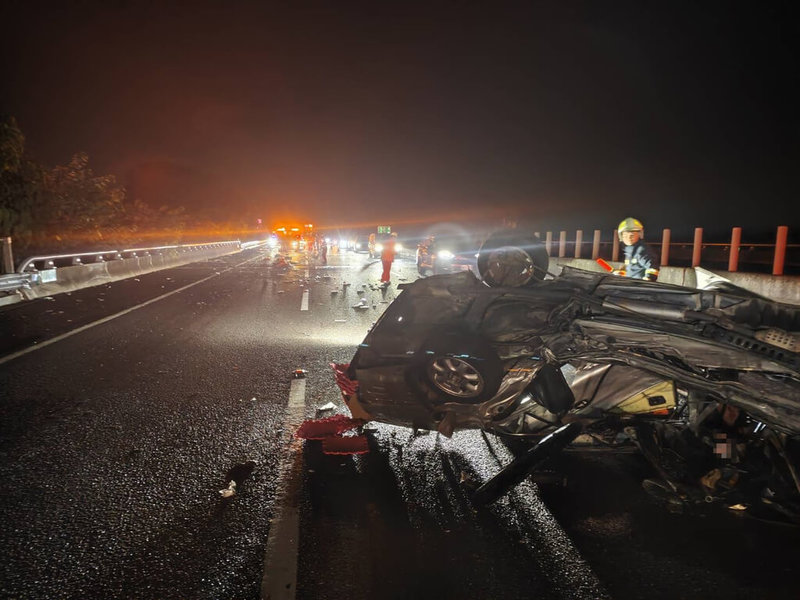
569, 114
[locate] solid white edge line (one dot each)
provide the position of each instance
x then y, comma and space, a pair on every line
63, 336
279, 581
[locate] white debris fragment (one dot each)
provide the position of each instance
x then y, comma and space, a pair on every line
328, 406
228, 491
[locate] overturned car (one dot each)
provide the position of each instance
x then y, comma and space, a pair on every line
705, 383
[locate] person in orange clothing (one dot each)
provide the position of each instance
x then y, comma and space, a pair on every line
387, 258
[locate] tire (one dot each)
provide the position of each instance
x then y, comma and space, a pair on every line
458, 367
511, 259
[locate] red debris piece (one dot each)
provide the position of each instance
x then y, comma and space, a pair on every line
351, 444
347, 385
317, 429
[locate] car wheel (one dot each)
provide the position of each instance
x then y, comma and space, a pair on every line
459, 367
513, 260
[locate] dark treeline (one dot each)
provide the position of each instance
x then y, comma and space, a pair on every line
69, 208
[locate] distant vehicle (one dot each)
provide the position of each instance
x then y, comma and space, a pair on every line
360, 243
438, 254
294, 238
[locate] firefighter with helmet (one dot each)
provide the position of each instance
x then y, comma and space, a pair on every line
640, 263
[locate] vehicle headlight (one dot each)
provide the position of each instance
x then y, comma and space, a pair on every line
379, 247
358, 245
294, 244
342, 244
398, 247
445, 254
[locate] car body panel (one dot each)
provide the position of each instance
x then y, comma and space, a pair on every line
635, 333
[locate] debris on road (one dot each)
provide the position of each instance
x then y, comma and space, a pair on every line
299, 374
229, 491
317, 429
328, 406
330, 431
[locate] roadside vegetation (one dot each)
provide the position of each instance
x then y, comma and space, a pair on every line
70, 208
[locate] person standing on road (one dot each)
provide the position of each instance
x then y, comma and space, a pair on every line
387, 258
640, 263
371, 245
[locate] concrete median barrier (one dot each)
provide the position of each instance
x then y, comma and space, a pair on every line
781, 288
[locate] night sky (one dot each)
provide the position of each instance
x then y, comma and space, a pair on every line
565, 114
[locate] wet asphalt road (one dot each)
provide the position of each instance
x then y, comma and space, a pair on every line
115, 442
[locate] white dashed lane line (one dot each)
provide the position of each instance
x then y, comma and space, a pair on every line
304, 300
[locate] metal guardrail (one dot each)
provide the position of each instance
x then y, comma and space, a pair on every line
37, 270
37, 263
10, 283
692, 253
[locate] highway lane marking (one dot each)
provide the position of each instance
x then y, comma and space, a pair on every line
63, 336
279, 581
304, 300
